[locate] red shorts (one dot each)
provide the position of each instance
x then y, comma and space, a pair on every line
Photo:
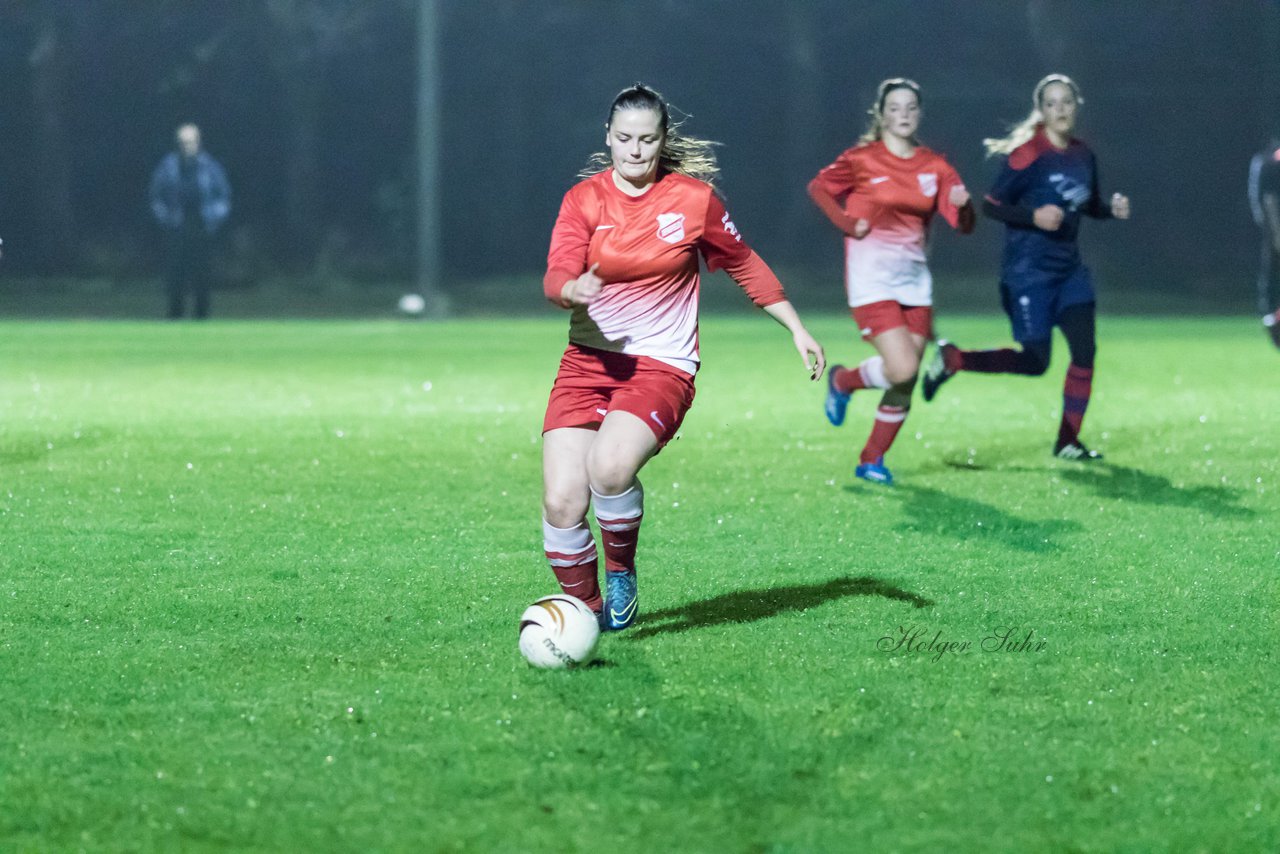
592, 383
877, 317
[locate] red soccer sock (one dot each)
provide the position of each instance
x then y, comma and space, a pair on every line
869, 374
1076, 391
889, 421
619, 517
572, 555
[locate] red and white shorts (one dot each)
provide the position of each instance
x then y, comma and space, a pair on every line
875, 318
592, 383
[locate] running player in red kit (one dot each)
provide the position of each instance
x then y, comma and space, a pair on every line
882, 194
624, 259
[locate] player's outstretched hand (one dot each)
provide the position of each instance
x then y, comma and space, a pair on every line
815, 360
1120, 206
959, 196
584, 289
1047, 217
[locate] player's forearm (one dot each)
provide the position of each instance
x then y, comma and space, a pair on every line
1098, 208
756, 279
785, 313
828, 205
1008, 214
554, 284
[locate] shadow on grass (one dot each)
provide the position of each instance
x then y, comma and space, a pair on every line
35, 450
747, 606
932, 511
1109, 480
17, 456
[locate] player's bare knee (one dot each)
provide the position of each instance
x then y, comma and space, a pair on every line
902, 374
612, 479
901, 369
564, 508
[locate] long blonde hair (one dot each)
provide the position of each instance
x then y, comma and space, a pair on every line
1025, 129
875, 130
685, 155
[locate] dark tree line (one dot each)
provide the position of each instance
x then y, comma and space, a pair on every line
310, 105
306, 102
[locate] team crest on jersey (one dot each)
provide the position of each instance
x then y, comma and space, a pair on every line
928, 183
671, 227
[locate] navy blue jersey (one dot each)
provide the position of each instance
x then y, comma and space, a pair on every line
1037, 173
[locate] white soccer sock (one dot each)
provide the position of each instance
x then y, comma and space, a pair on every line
872, 371
619, 512
568, 546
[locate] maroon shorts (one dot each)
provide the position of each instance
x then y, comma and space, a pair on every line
877, 317
592, 383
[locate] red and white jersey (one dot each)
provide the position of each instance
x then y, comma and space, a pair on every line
898, 196
647, 247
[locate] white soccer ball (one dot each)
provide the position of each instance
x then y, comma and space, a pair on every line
558, 631
412, 304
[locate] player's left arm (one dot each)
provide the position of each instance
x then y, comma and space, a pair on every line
723, 248
954, 201
1117, 206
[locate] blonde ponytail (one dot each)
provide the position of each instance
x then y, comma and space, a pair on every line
1023, 131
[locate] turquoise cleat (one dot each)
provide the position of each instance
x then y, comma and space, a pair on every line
837, 402
875, 472
621, 599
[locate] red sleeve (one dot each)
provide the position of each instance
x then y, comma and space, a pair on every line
570, 238
722, 246
961, 218
830, 186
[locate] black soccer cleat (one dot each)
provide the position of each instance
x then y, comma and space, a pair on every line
936, 373
1075, 451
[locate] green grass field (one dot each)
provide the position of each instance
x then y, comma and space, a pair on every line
259, 586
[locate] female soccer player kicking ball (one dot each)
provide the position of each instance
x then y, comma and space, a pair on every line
882, 194
624, 259
1048, 181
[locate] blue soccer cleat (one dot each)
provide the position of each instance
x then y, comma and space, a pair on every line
621, 599
837, 402
875, 472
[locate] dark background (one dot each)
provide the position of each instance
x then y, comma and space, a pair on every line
310, 106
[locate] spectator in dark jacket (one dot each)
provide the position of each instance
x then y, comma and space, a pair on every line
190, 198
